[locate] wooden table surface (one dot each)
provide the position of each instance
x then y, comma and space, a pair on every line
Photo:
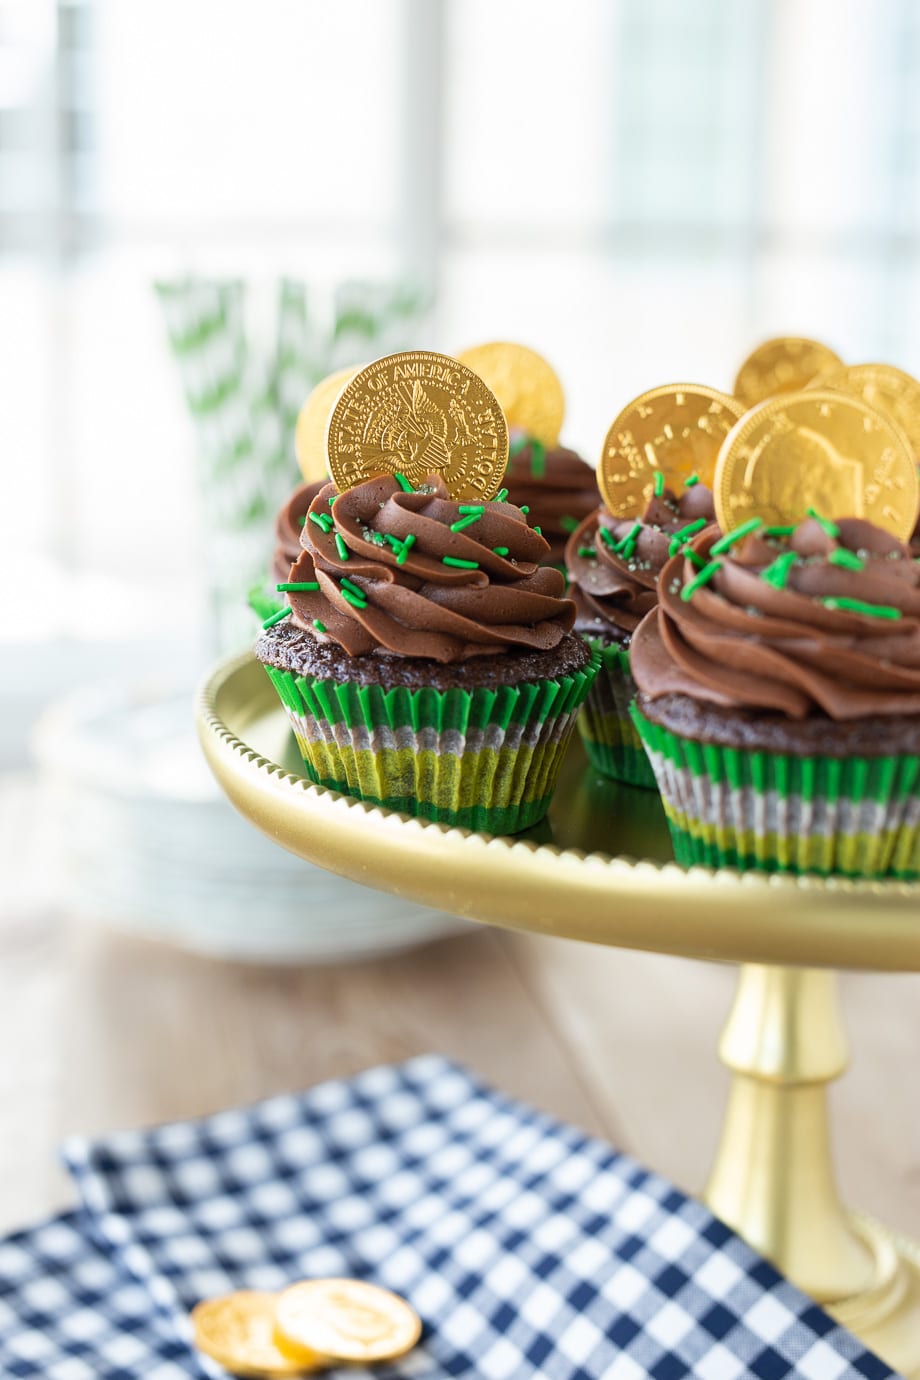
101, 1031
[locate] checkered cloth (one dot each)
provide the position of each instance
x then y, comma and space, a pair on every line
527, 1248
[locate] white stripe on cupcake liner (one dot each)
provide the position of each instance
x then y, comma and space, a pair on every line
723, 805
383, 738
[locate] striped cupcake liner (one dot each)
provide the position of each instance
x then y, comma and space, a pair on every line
485, 759
264, 601
771, 812
611, 742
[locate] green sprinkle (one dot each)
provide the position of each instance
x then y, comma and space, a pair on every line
320, 627
351, 599
500, 550
277, 617
301, 584
627, 545
395, 542
322, 520
736, 534
405, 548
301, 521
471, 508
568, 524
331, 499
857, 606
684, 534
403, 483
824, 523
525, 509
588, 552
691, 480
519, 443
501, 495
847, 560
658, 486
694, 558
350, 584
607, 537
779, 531
341, 547
537, 459
467, 521
777, 573
698, 581
459, 563
539, 531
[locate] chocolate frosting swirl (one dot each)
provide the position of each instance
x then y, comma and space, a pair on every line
288, 527
557, 487
378, 555
792, 642
614, 591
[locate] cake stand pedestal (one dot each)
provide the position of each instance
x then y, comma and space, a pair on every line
575, 876
773, 1178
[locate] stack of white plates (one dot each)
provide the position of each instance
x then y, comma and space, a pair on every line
149, 844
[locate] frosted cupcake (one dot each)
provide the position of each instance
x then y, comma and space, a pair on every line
613, 566
555, 487
426, 660
779, 702
265, 598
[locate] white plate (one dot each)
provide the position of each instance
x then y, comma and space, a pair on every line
149, 845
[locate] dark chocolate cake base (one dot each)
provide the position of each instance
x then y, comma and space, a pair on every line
290, 648
816, 736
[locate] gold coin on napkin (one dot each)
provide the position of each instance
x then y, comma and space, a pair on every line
346, 1319
238, 1332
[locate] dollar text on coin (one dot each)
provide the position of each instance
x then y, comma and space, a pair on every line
417, 414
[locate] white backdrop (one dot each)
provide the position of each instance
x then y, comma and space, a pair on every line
639, 189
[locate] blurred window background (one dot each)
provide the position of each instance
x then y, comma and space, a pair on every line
637, 188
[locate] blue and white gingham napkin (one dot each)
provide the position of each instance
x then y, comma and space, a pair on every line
528, 1248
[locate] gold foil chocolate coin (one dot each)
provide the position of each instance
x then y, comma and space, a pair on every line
527, 387
310, 432
675, 430
782, 365
885, 388
238, 1332
346, 1319
817, 450
416, 414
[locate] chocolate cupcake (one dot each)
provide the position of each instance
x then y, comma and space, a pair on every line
426, 660
613, 566
555, 487
264, 599
779, 700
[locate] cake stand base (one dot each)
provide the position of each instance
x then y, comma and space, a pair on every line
773, 1177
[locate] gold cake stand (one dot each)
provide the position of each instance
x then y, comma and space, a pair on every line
575, 876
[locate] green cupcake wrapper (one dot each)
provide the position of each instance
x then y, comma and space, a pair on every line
264, 602
485, 758
612, 744
774, 812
